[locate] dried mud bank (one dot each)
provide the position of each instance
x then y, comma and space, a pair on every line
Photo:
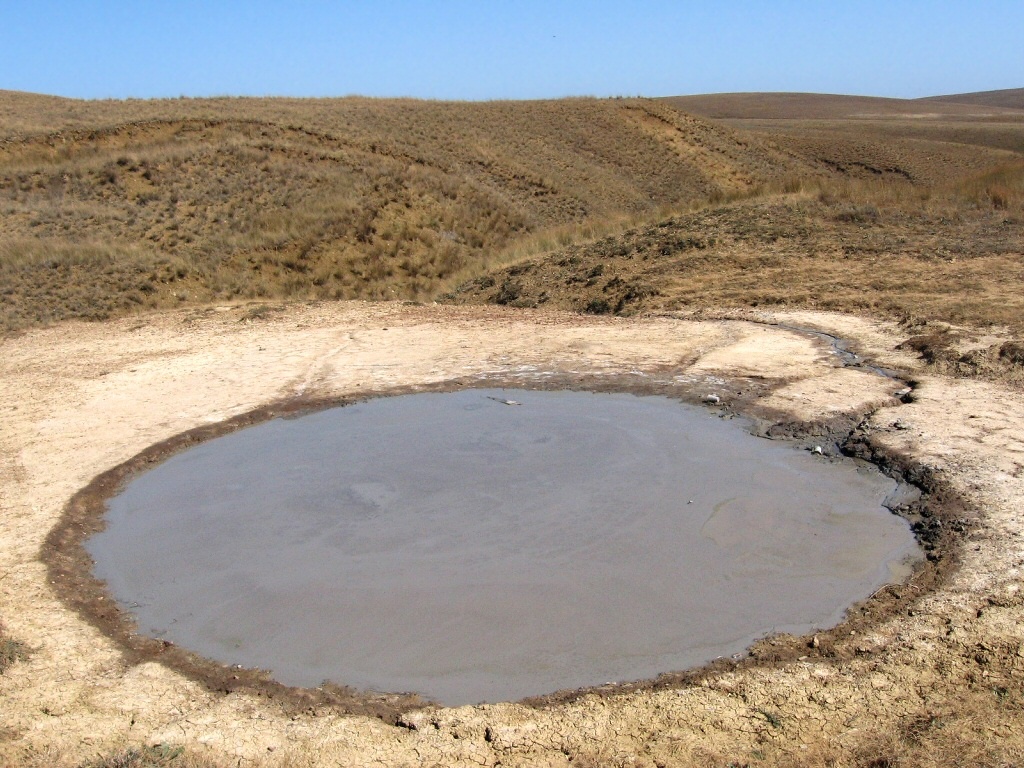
80, 399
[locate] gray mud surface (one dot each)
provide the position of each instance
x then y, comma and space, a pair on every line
91, 407
467, 549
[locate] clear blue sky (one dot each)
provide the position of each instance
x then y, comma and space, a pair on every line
458, 49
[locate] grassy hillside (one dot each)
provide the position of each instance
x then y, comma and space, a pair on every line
847, 251
109, 207
105, 206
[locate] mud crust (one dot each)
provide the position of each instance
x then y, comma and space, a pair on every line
940, 519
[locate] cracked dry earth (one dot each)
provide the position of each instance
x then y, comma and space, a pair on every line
77, 399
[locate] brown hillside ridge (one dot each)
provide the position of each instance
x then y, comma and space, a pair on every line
1007, 98
171, 202
112, 207
828, 106
925, 138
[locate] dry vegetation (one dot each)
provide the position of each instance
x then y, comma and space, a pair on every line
167, 202
921, 220
11, 651
864, 247
107, 208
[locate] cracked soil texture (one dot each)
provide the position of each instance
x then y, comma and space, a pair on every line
940, 674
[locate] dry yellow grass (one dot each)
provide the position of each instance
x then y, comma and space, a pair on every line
195, 200
10, 651
110, 207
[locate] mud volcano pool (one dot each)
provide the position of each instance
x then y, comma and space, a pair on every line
486, 545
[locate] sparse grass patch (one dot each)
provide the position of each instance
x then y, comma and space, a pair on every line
11, 651
260, 312
1001, 188
143, 757
158, 756
45, 280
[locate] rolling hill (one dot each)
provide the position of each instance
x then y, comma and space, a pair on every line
1007, 98
186, 200
822, 106
110, 207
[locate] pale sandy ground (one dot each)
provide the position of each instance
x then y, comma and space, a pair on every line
77, 399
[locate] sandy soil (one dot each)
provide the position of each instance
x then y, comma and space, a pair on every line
77, 399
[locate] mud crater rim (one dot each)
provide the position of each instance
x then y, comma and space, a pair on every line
70, 567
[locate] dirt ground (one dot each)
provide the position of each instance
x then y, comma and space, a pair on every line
935, 680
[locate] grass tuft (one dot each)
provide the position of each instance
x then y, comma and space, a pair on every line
11, 651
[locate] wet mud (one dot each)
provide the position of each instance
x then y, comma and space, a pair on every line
488, 545
937, 516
